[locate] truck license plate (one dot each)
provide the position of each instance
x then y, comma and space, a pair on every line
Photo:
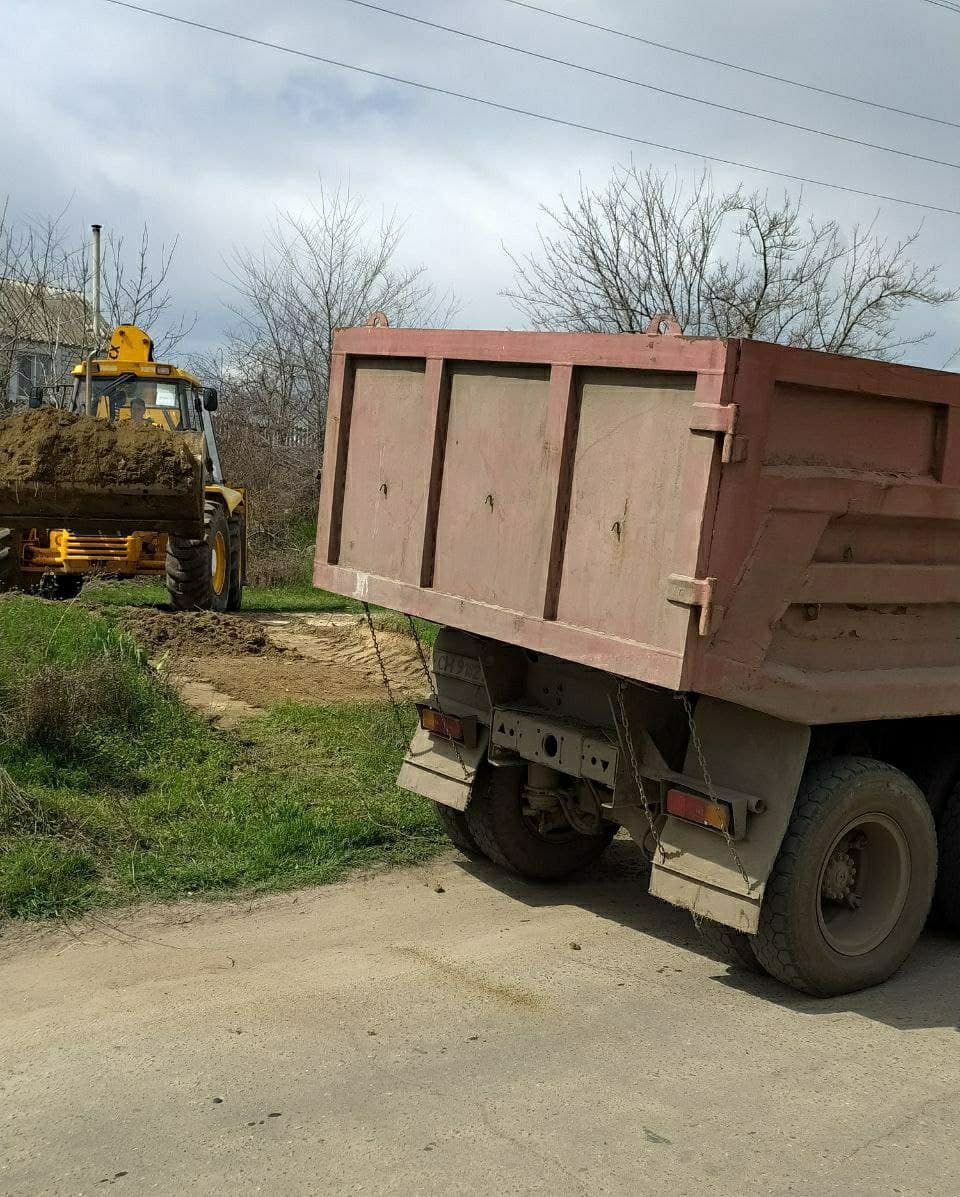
466, 669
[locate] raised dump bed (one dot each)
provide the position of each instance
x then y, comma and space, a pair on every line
707, 590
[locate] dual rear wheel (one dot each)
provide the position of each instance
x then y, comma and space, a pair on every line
849, 893
499, 824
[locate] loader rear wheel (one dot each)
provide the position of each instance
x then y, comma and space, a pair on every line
852, 885
454, 823
62, 587
198, 571
9, 559
235, 596
510, 835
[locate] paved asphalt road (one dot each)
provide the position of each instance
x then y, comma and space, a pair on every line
380, 1037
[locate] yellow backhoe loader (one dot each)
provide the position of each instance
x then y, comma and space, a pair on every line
56, 531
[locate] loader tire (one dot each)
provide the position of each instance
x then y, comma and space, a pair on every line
9, 559
852, 885
946, 902
198, 571
235, 595
60, 587
454, 823
496, 820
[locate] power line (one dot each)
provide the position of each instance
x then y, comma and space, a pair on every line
664, 91
944, 4
735, 66
540, 116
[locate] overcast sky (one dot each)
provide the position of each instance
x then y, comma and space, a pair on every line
133, 119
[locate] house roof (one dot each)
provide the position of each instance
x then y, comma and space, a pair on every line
43, 314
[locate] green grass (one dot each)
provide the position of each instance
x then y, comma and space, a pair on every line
138, 798
294, 596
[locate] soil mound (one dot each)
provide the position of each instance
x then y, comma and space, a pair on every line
197, 634
47, 445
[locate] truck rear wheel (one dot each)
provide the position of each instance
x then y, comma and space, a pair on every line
852, 885
733, 947
198, 571
946, 903
517, 839
454, 823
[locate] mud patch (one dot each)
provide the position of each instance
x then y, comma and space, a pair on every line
261, 682
233, 668
342, 643
315, 660
195, 634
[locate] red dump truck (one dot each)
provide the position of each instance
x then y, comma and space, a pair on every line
705, 590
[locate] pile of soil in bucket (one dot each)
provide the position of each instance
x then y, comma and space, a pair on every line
196, 634
47, 445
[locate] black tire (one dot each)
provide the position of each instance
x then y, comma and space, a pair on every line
190, 565
9, 560
497, 823
861, 829
454, 823
235, 594
733, 947
62, 587
946, 902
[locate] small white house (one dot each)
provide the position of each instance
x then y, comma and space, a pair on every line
44, 331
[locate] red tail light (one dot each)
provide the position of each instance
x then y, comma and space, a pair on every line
695, 809
438, 724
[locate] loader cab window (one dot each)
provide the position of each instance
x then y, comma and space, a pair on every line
164, 402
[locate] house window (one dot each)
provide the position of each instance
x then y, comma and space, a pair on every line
33, 370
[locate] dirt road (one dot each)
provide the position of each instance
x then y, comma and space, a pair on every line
381, 1037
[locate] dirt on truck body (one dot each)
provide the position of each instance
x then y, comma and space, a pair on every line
702, 589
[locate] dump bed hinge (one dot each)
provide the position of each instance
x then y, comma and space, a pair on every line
696, 592
722, 418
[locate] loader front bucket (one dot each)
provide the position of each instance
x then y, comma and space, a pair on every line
60, 470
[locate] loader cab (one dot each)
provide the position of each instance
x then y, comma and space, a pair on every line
127, 384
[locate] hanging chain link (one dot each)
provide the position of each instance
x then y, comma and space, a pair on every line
623, 725
394, 702
708, 785
434, 689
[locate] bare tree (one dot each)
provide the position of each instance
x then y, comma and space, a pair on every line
45, 310
726, 264
326, 269
136, 291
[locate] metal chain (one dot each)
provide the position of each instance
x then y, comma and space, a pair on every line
708, 785
395, 704
627, 738
434, 689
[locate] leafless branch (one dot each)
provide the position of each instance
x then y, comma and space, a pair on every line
731, 264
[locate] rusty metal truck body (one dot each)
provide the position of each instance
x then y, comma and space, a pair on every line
680, 580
